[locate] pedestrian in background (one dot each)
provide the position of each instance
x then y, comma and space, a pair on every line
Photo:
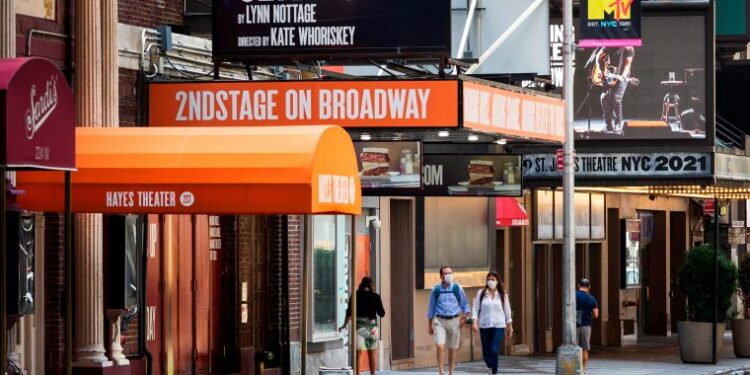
447, 302
491, 317
369, 307
586, 311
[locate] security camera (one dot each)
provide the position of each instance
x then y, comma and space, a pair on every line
376, 223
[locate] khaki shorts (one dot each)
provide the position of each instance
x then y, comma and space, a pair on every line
447, 332
584, 337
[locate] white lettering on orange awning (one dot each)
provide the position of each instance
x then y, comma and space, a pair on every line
336, 189
140, 199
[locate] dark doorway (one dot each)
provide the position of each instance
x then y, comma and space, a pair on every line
402, 279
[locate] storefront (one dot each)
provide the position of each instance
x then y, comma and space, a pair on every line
38, 118
190, 311
418, 148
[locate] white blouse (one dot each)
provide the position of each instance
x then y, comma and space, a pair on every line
494, 313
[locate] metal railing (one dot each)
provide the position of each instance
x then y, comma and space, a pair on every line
729, 135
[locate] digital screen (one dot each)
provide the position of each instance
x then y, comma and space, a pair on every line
472, 175
389, 165
656, 91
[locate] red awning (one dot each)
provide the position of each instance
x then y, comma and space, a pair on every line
37, 116
509, 212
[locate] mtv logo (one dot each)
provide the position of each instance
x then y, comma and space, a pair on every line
619, 9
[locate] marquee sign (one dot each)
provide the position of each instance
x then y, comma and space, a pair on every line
355, 104
623, 165
275, 30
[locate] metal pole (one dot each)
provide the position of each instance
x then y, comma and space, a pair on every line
714, 346
68, 278
353, 333
569, 354
305, 294
3, 277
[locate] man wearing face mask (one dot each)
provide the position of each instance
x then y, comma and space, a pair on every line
447, 312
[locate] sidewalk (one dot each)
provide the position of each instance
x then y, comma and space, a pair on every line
652, 356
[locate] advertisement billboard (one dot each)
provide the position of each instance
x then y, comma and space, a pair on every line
659, 91
608, 23
506, 111
353, 104
278, 30
389, 165
472, 175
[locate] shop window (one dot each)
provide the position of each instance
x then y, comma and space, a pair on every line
456, 233
328, 246
589, 211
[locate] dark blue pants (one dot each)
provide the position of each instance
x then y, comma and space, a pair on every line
492, 338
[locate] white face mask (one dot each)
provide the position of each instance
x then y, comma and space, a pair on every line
492, 284
448, 278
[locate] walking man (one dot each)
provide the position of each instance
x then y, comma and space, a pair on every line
447, 313
586, 311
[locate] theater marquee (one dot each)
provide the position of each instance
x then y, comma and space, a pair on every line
354, 104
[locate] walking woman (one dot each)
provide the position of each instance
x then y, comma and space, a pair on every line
491, 317
369, 307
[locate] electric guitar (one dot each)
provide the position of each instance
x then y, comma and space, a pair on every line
604, 75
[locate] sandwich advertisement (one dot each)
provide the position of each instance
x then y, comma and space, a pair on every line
389, 165
472, 175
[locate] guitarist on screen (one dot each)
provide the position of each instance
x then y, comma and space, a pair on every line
614, 81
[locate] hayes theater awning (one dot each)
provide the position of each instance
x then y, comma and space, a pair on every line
509, 213
279, 170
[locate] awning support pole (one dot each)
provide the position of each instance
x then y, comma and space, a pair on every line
353, 290
467, 28
3, 276
68, 278
305, 288
501, 39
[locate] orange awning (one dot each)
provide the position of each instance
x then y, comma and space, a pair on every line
237, 170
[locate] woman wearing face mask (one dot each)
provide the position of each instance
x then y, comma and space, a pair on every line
491, 317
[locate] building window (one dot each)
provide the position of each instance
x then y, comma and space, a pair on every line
456, 233
324, 272
589, 213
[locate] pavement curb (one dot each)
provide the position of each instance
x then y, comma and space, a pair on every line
738, 371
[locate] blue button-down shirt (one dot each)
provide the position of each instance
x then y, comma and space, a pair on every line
446, 303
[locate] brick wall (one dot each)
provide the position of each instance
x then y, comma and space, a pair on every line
52, 47
128, 97
277, 271
54, 293
151, 13
295, 276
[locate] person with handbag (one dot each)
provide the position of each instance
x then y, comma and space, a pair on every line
369, 307
491, 317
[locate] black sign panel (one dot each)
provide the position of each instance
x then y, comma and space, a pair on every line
278, 30
472, 175
644, 165
610, 23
